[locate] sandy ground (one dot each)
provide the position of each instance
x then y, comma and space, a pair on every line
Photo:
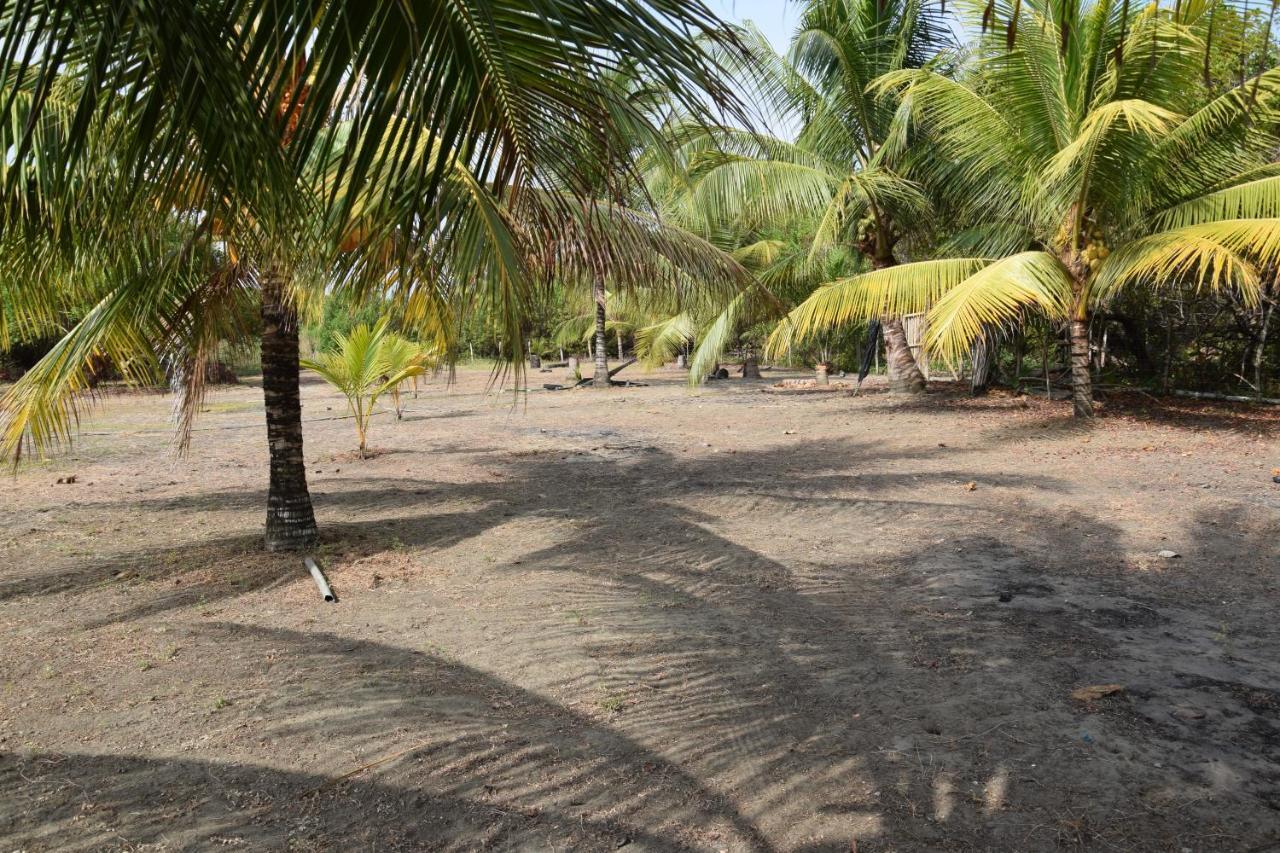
650, 618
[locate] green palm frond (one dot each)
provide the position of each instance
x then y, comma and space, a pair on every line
1134, 117
660, 342
1221, 137
631, 250
356, 363
237, 81
1255, 199
716, 337
750, 192
405, 359
869, 189
979, 154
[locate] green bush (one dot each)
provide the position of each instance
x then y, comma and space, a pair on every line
340, 316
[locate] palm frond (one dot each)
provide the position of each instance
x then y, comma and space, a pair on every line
1211, 255
896, 290
1256, 199
995, 296
716, 337
660, 342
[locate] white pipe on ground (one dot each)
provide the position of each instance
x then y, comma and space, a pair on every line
320, 579
1232, 398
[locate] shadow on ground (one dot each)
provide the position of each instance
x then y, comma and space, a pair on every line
693, 689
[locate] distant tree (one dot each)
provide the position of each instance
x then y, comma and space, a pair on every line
845, 172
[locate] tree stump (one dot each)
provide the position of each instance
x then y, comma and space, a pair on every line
535, 361
750, 368
820, 372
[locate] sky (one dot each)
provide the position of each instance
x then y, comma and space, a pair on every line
776, 18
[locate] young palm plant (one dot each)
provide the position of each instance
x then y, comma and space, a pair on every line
365, 364
408, 359
1075, 145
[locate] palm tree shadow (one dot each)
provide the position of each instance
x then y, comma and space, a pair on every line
152, 581
84, 801
783, 700
524, 771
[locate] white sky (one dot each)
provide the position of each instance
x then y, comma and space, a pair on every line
776, 18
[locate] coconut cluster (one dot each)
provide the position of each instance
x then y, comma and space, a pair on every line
867, 227
1095, 250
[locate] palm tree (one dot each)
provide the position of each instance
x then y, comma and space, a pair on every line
786, 269
1078, 155
623, 316
844, 172
407, 359
364, 365
165, 304
205, 122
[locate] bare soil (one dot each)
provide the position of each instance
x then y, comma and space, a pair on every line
651, 618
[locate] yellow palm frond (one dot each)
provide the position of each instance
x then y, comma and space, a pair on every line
760, 253
904, 289
996, 295
42, 409
1209, 255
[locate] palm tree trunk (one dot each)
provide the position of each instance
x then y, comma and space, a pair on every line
362, 427
1081, 380
600, 379
291, 522
904, 374
1260, 354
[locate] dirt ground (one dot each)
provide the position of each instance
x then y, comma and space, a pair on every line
654, 619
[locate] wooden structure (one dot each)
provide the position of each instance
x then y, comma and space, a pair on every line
914, 326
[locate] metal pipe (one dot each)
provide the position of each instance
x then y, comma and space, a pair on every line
320, 579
